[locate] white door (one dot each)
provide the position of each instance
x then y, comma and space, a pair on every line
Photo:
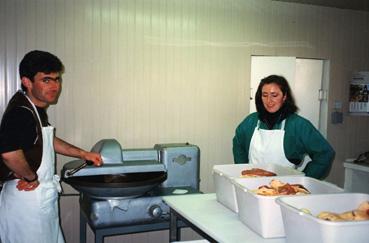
305, 77
263, 66
307, 88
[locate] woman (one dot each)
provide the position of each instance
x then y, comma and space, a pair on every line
276, 134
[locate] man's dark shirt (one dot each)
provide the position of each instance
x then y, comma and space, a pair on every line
20, 129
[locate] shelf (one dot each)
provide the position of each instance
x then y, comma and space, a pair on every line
358, 113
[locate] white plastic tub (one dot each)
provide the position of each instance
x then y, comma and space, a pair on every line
318, 230
356, 177
224, 174
261, 213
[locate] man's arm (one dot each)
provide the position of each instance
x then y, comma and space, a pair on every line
16, 162
68, 149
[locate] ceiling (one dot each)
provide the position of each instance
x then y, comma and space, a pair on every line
362, 5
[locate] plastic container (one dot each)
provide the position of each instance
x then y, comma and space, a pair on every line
319, 230
356, 177
224, 174
261, 213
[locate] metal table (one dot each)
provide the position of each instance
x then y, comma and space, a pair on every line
100, 233
210, 219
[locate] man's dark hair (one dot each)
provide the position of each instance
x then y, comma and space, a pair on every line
39, 61
289, 105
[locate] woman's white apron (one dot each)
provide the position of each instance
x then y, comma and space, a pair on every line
33, 216
266, 146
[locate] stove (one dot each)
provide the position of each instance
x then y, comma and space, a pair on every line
125, 194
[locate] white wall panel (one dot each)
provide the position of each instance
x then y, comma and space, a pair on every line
159, 71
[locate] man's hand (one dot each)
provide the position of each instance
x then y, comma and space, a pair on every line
68, 149
94, 157
23, 185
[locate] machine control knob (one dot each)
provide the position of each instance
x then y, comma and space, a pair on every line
155, 211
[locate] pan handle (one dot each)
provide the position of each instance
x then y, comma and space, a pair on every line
78, 168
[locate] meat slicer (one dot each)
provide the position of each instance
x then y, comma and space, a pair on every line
124, 195
133, 172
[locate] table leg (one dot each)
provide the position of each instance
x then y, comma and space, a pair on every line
82, 228
99, 237
174, 230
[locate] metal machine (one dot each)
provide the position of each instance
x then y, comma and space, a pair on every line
124, 195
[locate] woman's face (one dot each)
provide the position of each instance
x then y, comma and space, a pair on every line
272, 97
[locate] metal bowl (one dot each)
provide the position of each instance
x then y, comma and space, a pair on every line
127, 185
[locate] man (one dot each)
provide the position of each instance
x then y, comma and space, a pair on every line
29, 197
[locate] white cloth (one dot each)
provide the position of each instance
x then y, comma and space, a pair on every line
33, 216
266, 146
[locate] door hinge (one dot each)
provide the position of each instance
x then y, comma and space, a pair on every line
322, 95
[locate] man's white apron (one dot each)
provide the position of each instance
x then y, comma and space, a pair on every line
33, 216
266, 146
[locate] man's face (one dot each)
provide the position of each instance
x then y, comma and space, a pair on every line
45, 88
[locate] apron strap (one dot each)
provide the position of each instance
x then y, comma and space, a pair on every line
258, 125
283, 124
35, 109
